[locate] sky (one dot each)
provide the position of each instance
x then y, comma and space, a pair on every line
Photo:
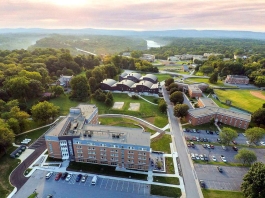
137, 15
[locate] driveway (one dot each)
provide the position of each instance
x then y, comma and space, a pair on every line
187, 170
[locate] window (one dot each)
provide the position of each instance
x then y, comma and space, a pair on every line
80, 155
113, 163
78, 147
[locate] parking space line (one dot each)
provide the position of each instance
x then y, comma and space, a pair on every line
111, 184
117, 184
107, 183
121, 186
101, 182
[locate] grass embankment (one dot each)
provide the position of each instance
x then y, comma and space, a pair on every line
166, 180
207, 126
240, 98
7, 165
146, 110
162, 144
34, 135
221, 194
123, 122
170, 165
104, 170
165, 191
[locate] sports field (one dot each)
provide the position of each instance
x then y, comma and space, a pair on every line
249, 100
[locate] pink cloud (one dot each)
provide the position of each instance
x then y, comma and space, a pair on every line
142, 15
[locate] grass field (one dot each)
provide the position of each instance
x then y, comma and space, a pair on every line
165, 191
7, 164
162, 77
162, 144
221, 194
147, 110
205, 80
170, 165
32, 135
123, 122
240, 98
166, 180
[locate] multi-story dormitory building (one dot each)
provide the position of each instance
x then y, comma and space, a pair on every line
80, 138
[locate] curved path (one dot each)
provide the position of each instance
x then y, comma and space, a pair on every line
141, 121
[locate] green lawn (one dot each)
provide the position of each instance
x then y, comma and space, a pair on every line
165, 191
170, 165
104, 170
166, 180
7, 164
33, 195
162, 144
207, 126
32, 135
123, 122
240, 98
146, 110
205, 80
219, 163
221, 194
219, 103
162, 77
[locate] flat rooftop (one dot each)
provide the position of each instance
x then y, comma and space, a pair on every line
194, 88
208, 102
201, 112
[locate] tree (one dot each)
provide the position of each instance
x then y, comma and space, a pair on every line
43, 111
80, 88
213, 78
14, 125
172, 90
169, 81
260, 81
253, 185
206, 69
99, 95
162, 105
18, 87
181, 110
172, 85
93, 85
227, 135
6, 136
246, 156
109, 99
258, 116
177, 97
57, 90
255, 134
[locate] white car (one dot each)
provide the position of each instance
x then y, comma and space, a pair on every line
247, 142
49, 174
197, 156
69, 176
84, 178
223, 158
214, 158
201, 157
208, 146
262, 143
244, 134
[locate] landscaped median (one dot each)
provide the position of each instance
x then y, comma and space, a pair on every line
166, 180
104, 170
165, 191
221, 194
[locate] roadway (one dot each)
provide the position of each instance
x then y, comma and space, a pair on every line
191, 183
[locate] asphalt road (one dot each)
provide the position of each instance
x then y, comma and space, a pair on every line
17, 177
191, 187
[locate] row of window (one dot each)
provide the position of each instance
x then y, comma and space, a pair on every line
112, 146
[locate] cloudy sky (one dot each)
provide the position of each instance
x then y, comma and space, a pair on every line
134, 14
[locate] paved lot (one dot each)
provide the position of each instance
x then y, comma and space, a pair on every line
230, 179
104, 187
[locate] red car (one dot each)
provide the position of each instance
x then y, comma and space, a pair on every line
234, 142
58, 176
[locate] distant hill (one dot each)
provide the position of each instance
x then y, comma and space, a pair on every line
166, 33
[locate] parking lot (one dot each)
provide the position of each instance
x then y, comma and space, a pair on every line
104, 187
229, 179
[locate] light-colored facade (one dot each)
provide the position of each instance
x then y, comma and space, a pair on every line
64, 80
237, 79
209, 110
148, 57
80, 138
194, 91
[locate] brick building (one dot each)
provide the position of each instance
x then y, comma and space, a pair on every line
209, 110
80, 138
237, 79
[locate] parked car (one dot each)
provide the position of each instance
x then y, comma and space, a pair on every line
192, 156
208, 132
197, 139
205, 139
219, 169
201, 157
188, 144
68, 178
223, 147
211, 132
194, 138
187, 138
235, 148
192, 144
194, 130
262, 143
223, 158
212, 146
217, 132
84, 178
184, 130
197, 157
205, 157
214, 158
58, 176
201, 139
248, 143
78, 178
219, 140
198, 131
234, 142
64, 175
204, 146
49, 174
202, 183
49, 196
208, 146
